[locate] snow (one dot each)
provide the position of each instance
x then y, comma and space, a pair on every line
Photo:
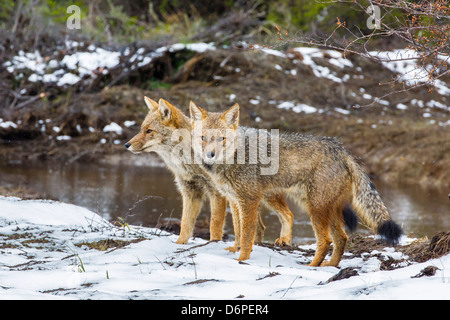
321, 71
68, 78
343, 111
437, 104
7, 124
87, 63
44, 256
408, 70
129, 123
299, 107
113, 127
63, 138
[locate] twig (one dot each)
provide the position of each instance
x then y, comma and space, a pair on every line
290, 286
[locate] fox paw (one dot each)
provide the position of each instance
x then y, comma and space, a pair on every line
181, 241
232, 249
282, 242
243, 257
328, 264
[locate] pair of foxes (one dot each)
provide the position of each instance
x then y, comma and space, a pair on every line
318, 173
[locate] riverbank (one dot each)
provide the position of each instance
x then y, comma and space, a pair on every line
401, 138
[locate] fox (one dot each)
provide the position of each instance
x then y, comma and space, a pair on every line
318, 173
166, 129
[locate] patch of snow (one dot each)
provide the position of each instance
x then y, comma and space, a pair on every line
321, 71
129, 123
274, 52
86, 62
418, 102
68, 79
113, 127
381, 101
343, 111
401, 106
299, 107
62, 138
437, 104
7, 124
409, 71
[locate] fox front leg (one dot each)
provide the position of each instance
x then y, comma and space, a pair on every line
237, 226
192, 203
218, 206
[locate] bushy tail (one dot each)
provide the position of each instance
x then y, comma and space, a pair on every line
369, 207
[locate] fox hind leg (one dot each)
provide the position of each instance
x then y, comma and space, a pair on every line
321, 228
260, 228
278, 203
339, 240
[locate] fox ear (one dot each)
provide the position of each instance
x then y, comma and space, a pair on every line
165, 108
151, 104
231, 116
197, 113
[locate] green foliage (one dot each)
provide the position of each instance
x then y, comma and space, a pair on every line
315, 15
6, 11
154, 84
298, 13
56, 10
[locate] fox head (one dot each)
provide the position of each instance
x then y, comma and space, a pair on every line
157, 128
214, 134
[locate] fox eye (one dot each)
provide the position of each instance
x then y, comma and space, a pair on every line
220, 138
149, 131
203, 138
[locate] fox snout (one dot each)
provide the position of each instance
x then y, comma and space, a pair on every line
210, 154
127, 145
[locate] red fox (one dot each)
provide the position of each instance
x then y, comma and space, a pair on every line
318, 173
167, 131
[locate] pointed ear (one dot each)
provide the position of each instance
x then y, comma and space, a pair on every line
197, 113
231, 116
152, 105
166, 109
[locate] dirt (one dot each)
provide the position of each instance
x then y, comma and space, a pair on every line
419, 251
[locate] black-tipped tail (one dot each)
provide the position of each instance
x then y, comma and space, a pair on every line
350, 218
390, 232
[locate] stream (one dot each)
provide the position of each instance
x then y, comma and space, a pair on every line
143, 195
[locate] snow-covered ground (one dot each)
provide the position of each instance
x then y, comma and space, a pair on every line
46, 253
89, 61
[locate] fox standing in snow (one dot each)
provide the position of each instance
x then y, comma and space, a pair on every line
167, 131
317, 173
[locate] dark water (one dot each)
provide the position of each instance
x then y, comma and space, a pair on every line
146, 195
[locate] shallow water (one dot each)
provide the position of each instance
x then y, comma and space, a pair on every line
146, 195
